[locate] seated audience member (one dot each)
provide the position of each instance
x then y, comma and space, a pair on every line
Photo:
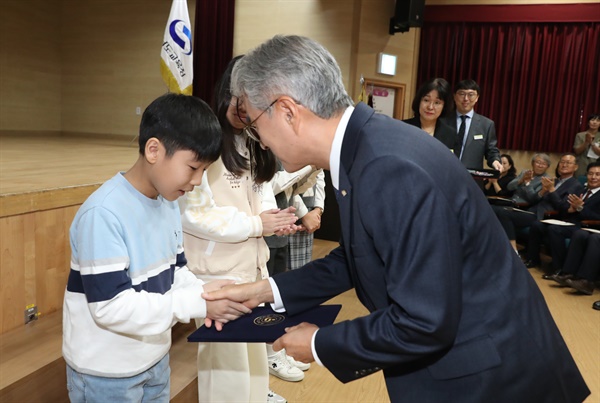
585, 206
526, 188
499, 187
555, 199
432, 101
587, 144
582, 265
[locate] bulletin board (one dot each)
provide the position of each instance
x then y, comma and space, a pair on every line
387, 97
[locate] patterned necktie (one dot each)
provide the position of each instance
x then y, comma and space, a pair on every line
461, 135
587, 195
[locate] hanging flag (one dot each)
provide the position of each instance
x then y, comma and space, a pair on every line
362, 97
176, 64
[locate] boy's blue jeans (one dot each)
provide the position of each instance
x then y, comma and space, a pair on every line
152, 385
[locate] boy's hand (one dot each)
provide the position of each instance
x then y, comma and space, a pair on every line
222, 311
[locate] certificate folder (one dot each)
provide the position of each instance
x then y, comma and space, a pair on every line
264, 325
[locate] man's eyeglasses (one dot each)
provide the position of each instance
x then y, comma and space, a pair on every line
250, 130
471, 95
567, 163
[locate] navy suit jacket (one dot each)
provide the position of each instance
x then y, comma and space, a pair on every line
481, 142
454, 314
558, 200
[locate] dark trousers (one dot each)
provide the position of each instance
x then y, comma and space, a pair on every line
278, 260
557, 237
583, 256
512, 219
538, 235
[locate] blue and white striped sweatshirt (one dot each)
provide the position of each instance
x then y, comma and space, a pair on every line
128, 282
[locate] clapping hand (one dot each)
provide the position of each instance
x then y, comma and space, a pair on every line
575, 201
547, 184
279, 222
527, 176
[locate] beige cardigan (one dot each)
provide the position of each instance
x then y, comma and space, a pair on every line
222, 228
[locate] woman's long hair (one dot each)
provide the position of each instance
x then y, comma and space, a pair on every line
262, 163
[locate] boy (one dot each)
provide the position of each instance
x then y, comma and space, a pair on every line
129, 282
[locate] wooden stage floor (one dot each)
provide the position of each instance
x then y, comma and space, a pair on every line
40, 165
35, 163
41, 172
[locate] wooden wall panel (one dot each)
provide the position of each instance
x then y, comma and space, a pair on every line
111, 62
35, 263
12, 269
330, 22
30, 65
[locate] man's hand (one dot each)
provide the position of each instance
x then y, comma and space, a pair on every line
498, 166
249, 294
526, 178
575, 202
297, 342
547, 185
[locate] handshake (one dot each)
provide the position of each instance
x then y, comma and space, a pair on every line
226, 301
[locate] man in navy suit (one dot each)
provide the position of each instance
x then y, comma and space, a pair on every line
584, 206
478, 139
454, 314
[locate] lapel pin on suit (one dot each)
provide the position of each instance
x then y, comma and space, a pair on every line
343, 192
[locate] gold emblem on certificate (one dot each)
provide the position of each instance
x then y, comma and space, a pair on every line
269, 320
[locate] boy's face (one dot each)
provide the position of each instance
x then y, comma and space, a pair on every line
172, 176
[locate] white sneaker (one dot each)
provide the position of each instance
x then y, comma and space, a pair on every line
298, 364
280, 367
273, 397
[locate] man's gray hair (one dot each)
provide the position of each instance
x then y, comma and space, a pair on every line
543, 156
295, 66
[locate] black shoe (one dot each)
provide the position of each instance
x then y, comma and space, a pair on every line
596, 305
531, 263
582, 285
563, 279
550, 276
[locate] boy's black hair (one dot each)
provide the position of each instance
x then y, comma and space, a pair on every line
182, 122
468, 84
262, 163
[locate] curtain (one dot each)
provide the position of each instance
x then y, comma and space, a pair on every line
213, 44
539, 81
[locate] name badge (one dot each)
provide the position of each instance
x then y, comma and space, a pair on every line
478, 137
